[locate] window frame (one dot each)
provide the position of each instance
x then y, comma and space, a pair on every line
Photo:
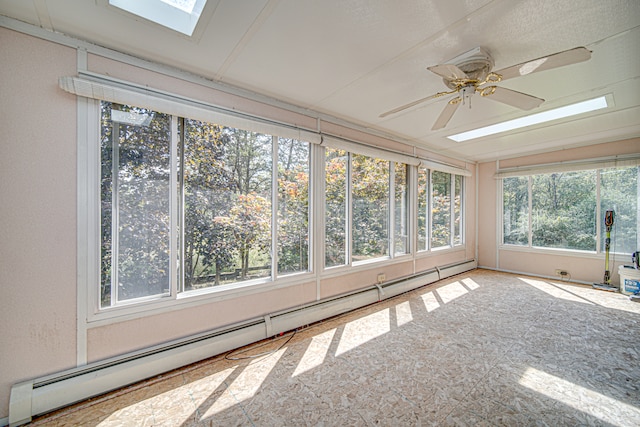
87, 85
529, 247
90, 197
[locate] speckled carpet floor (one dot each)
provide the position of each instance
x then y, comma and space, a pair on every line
481, 348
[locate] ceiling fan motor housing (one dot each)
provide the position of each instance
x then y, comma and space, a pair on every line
476, 64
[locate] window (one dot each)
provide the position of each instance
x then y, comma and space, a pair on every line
564, 210
367, 210
293, 206
136, 205
457, 210
190, 206
370, 207
515, 212
440, 209
423, 208
227, 205
401, 209
620, 192
440, 218
193, 208
565, 207
335, 248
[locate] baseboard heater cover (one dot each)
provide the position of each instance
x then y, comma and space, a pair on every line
54, 391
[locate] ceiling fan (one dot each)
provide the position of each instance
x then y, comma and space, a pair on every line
472, 73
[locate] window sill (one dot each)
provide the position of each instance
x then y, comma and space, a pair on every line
195, 298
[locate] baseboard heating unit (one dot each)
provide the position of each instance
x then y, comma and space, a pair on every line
45, 394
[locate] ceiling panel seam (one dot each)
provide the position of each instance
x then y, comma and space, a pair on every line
264, 14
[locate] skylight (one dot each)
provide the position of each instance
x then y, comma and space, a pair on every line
533, 119
178, 15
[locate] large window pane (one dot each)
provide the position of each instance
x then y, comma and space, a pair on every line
620, 192
515, 214
249, 158
335, 206
135, 203
457, 210
441, 209
401, 211
423, 208
564, 210
293, 206
370, 207
227, 205
208, 192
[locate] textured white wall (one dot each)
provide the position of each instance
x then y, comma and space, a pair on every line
37, 211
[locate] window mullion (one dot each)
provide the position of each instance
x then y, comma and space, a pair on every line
181, 203
530, 209
392, 210
173, 206
452, 203
430, 210
274, 207
115, 161
598, 212
349, 211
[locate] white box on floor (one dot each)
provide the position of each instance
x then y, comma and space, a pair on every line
629, 279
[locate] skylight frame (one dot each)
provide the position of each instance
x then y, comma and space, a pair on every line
570, 110
167, 13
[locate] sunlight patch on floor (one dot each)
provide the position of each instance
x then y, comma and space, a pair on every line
430, 301
554, 291
247, 384
580, 398
471, 284
451, 291
403, 313
316, 352
364, 329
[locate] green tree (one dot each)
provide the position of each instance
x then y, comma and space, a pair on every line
135, 180
370, 210
293, 206
208, 243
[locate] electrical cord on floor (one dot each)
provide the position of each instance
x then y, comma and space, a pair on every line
231, 354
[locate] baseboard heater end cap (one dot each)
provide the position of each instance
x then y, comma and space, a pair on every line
20, 403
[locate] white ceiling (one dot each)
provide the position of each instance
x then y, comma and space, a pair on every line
355, 59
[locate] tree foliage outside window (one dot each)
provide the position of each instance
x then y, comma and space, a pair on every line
336, 162
401, 209
224, 202
441, 209
564, 209
370, 207
227, 205
457, 209
423, 208
135, 204
293, 206
620, 191
193, 209
515, 212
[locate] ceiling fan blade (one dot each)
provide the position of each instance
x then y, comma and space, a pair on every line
513, 98
414, 103
560, 59
446, 113
448, 71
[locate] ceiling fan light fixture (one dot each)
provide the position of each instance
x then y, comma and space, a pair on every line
533, 119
